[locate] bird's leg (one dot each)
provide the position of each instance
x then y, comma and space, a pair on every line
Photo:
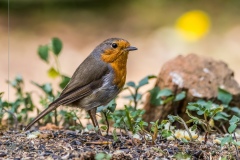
92, 114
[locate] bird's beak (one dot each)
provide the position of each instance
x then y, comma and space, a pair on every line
130, 48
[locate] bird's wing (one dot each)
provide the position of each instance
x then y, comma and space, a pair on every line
88, 71
84, 81
86, 78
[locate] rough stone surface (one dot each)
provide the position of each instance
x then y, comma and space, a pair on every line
199, 77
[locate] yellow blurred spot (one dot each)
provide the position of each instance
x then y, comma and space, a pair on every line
193, 25
53, 73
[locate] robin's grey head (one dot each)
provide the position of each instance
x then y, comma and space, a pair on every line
112, 48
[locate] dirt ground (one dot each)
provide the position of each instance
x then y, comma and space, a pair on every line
66, 144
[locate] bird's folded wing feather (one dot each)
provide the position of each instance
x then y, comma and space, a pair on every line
87, 77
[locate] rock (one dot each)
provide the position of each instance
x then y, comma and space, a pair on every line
199, 77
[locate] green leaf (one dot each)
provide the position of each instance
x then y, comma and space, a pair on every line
164, 93
180, 96
232, 128
181, 155
193, 128
1, 94
99, 156
236, 143
184, 140
104, 128
235, 109
234, 119
19, 78
64, 82
192, 108
90, 127
43, 52
193, 118
224, 96
216, 110
221, 116
223, 158
102, 109
166, 133
153, 98
115, 137
52, 73
145, 80
47, 88
56, 46
200, 112
112, 106
225, 140
131, 84
167, 100
171, 118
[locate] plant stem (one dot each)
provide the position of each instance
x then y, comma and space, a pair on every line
105, 114
135, 99
58, 66
129, 119
186, 127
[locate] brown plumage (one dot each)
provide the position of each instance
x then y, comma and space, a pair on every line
97, 80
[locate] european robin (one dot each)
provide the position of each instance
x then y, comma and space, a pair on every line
97, 80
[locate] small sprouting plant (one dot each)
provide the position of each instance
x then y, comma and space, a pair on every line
208, 111
231, 138
106, 110
164, 96
53, 49
181, 121
17, 110
135, 96
127, 119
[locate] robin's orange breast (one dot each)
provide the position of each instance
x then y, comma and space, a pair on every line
120, 71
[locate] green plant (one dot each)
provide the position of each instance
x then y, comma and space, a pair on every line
164, 96
180, 120
103, 156
127, 119
106, 110
231, 139
135, 96
45, 52
206, 109
18, 109
71, 119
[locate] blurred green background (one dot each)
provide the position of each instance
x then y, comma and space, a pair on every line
161, 29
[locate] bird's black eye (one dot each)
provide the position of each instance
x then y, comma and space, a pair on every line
114, 45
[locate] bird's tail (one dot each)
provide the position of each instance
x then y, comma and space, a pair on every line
41, 115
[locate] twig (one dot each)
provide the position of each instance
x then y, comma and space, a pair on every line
100, 142
205, 137
55, 117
